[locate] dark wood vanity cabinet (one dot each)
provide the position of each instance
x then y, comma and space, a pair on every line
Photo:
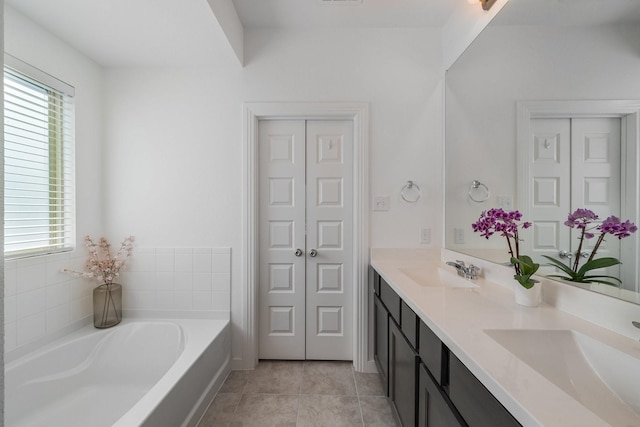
433, 354
380, 330
475, 403
427, 385
390, 299
381, 341
403, 362
434, 408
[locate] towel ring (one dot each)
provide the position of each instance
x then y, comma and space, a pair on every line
475, 185
410, 193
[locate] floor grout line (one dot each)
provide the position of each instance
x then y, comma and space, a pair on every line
244, 391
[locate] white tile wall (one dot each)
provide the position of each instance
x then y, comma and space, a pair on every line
192, 279
42, 302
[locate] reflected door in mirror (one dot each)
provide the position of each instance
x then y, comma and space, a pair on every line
573, 163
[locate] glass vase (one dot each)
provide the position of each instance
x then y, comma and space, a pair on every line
107, 305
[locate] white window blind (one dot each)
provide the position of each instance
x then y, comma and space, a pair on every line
38, 162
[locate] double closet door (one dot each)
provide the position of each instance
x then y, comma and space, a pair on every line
305, 228
574, 163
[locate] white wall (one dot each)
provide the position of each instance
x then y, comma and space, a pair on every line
41, 301
507, 64
173, 148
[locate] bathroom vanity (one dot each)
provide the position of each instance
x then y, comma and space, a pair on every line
426, 383
453, 352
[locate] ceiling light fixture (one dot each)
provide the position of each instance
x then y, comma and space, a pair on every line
486, 4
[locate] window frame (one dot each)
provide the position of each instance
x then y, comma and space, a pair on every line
60, 127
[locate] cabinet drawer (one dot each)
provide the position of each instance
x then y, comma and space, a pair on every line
432, 353
476, 404
434, 408
374, 281
390, 299
409, 324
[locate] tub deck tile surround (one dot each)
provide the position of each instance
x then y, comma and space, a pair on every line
43, 304
294, 393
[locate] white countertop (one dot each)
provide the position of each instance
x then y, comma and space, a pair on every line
459, 316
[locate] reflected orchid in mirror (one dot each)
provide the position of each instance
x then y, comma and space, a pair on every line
506, 224
587, 221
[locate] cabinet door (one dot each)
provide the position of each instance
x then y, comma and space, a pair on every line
409, 324
390, 299
432, 353
434, 410
402, 376
381, 341
476, 404
374, 281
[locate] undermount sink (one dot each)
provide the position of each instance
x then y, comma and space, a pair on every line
600, 377
438, 277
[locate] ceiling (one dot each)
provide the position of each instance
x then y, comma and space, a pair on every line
151, 33
303, 14
117, 33
145, 33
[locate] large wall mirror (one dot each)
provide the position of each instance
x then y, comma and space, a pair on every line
555, 82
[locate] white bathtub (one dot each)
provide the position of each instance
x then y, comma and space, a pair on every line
140, 373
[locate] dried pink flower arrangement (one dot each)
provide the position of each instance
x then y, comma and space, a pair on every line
100, 264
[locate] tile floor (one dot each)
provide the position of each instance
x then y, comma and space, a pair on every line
293, 393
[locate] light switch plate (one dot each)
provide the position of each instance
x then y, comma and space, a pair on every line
381, 203
505, 202
425, 236
458, 236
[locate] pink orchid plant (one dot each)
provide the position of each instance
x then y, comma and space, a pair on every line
100, 264
588, 223
507, 225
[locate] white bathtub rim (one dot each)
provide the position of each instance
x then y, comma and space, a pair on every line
25, 350
196, 342
199, 334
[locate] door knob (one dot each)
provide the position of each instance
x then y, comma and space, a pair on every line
313, 253
299, 252
565, 254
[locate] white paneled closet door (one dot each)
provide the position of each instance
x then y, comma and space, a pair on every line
329, 217
596, 175
305, 239
282, 239
574, 163
549, 187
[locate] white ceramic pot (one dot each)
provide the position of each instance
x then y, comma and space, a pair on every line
528, 297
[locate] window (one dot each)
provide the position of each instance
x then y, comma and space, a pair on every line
38, 162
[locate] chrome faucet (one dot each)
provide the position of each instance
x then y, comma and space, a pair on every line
470, 272
636, 324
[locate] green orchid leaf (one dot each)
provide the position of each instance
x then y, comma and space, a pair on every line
599, 278
562, 266
528, 268
604, 282
558, 276
598, 263
525, 280
526, 263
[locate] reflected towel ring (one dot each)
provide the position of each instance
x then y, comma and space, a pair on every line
475, 185
410, 192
